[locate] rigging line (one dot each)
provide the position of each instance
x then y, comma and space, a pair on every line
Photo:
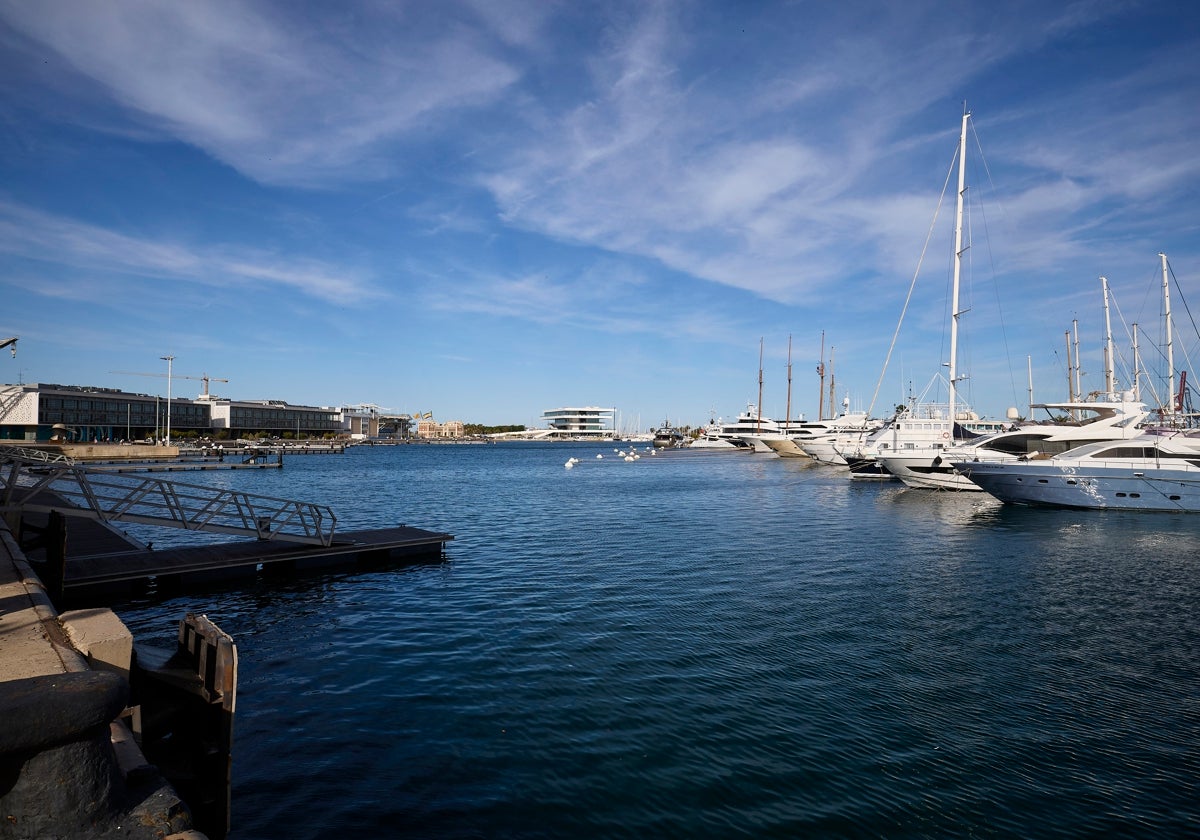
912, 285
1186, 308
1126, 364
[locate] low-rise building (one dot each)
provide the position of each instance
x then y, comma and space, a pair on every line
42, 412
590, 422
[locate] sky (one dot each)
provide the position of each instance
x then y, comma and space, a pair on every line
485, 209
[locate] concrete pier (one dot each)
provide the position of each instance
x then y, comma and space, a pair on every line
69, 766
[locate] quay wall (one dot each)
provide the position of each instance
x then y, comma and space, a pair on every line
101, 451
69, 766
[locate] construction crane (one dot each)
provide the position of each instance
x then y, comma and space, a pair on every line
205, 378
11, 343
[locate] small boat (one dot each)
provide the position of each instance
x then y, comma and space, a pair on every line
667, 436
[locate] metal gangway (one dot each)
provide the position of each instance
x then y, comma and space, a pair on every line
35, 480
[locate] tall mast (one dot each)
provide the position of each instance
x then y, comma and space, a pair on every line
788, 413
1070, 370
1137, 366
958, 252
1029, 366
1078, 363
832, 384
1170, 347
821, 373
758, 422
1110, 383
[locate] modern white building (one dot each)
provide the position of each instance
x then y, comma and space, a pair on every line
589, 422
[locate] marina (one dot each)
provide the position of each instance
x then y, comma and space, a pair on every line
564, 568
694, 644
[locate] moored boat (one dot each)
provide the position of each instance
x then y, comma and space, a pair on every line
667, 436
1151, 472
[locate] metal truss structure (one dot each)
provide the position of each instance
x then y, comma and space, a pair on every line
37, 481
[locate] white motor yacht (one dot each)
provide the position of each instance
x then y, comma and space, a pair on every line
1159, 472
1113, 417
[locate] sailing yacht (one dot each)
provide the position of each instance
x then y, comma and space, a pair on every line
919, 426
927, 433
824, 441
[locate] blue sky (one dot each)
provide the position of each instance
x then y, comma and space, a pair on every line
485, 209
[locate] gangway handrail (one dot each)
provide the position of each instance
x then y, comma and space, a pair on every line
34, 456
31, 484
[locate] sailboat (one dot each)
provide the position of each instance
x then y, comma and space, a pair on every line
926, 431
1104, 416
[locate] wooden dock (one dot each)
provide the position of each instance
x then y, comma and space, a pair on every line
183, 465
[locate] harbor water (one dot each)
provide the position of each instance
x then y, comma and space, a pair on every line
708, 645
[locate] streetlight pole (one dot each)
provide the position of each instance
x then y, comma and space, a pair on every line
168, 360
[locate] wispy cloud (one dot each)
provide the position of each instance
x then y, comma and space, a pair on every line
65, 242
281, 99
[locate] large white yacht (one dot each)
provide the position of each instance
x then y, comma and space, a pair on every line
928, 464
744, 433
803, 438
1148, 472
919, 425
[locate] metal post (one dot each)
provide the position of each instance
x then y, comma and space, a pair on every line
168, 360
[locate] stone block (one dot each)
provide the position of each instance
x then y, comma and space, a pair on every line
100, 636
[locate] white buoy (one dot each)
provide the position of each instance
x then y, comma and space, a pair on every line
599, 456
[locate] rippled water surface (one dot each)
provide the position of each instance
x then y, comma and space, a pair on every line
710, 645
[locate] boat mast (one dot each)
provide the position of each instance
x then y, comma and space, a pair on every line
1170, 347
788, 412
1078, 364
1110, 383
958, 252
758, 422
1070, 377
1029, 366
821, 373
1137, 366
832, 384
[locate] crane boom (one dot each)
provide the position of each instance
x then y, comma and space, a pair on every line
205, 378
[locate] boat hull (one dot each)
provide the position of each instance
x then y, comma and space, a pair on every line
929, 471
1099, 488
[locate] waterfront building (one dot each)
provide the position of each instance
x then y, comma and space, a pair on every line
275, 418
587, 422
41, 412
428, 429
360, 422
